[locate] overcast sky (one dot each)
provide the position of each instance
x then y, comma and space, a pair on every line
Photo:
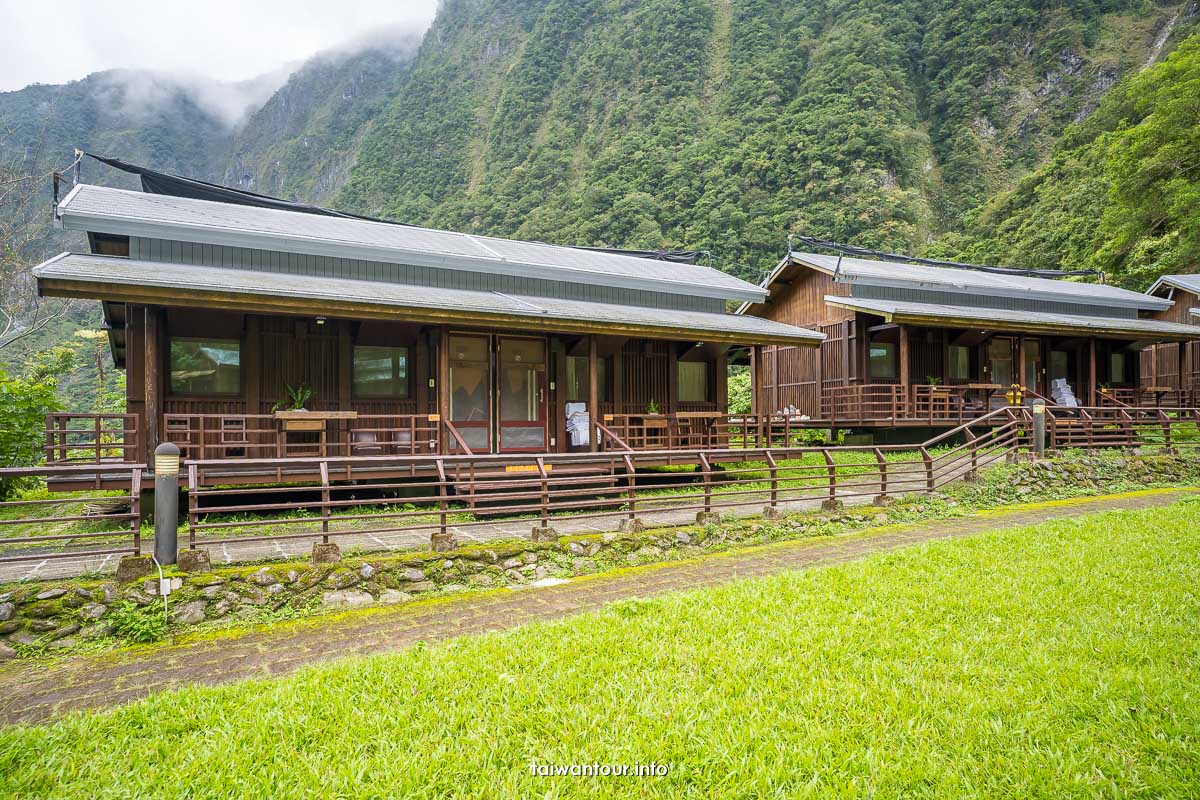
55, 41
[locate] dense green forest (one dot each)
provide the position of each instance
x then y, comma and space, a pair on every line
1121, 191
726, 125
1030, 132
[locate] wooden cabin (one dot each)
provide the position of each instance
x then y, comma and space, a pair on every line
397, 339
914, 345
1174, 367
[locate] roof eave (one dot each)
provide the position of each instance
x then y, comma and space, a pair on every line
273, 303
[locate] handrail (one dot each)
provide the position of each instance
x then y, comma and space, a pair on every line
604, 429
462, 443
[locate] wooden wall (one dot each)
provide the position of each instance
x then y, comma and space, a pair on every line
279, 351
1175, 365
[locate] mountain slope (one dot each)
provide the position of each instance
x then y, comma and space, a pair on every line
725, 125
1120, 193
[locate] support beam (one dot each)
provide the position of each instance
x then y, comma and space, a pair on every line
618, 379
345, 363
905, 378
441, 381
252, 367
1091, 395
593, 392
754, 378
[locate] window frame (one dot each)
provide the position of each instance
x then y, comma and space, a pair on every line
407, 380
171, 392
708, 381
893, 359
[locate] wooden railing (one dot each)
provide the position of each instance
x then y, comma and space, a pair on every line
1147, 397
114, 520
1109, 426
864, 401
438, 494
224, 436
91, 438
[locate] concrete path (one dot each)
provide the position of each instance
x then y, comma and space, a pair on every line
32, 692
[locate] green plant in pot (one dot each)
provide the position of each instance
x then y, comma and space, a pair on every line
296, 400
652, 407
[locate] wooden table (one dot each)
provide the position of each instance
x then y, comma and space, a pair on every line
988, 390
307, 422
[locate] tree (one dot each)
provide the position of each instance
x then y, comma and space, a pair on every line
23, 407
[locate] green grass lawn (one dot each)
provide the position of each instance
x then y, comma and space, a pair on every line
1056, 661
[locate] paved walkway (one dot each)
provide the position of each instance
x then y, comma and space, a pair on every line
32, 692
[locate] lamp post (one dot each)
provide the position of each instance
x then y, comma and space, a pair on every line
166, 503
1039, 430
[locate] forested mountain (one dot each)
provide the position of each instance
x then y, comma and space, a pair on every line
725, 125
1121, 191
1026, 132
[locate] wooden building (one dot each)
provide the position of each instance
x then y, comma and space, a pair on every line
1175, 366
406, 340
923, 345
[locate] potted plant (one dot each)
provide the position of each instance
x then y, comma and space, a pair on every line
933, 381
296, 399
652, 407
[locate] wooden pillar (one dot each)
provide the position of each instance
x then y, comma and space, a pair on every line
1021, 360
1091, 394
441, 381
721, 380
754, 378
819, 380
252, 364
593, 392
420, 372
152, 328
345, 366
672, 403
905, 378
618, 379
776, 399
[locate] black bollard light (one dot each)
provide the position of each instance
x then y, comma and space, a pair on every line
166, 503
1039, 430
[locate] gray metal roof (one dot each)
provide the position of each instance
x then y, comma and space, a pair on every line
88, 270
119, 211
973, 282
1139, 328
1189, 283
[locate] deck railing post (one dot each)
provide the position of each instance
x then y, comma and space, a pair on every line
545, 499
831, 473
631, 491
193, 504
96, 435
135, 507
62, 439
325, 502
707, 468
773, 471
443, 505
881, 462
925, 457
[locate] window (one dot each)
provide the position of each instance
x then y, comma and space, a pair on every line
577, 379
1117, 365
883, 360
205, 366
381, 372
693, 381
959, 359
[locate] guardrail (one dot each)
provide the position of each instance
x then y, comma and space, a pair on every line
366, 498
90, 438
1119, 426
49, 512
